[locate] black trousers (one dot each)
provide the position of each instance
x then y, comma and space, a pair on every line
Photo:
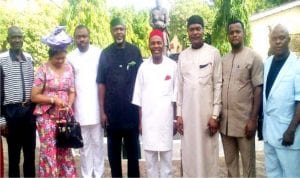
21, 136
130, 137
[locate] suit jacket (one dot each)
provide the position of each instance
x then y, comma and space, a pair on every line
279, 107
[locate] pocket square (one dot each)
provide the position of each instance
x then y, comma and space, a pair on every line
204, 65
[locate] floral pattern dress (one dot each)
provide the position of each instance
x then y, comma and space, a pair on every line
53, 161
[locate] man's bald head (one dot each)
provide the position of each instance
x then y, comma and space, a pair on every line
279, 40
15, 38
280, 29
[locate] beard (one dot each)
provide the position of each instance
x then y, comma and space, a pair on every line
236, 46
119, 41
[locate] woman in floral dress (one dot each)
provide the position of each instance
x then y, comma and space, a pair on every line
53, 91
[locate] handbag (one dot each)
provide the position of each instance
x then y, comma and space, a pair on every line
68, 133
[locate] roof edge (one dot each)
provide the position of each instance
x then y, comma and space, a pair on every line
274, 10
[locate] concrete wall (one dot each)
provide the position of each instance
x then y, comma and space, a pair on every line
260, 28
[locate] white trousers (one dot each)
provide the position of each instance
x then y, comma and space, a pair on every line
282, 162
153, 162
92, 153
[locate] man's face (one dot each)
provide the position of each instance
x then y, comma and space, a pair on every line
156, 45
236, 35
279, 40
82, 39
118, 32
15, 39
195, 33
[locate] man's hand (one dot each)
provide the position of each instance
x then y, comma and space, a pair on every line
288, 137
179, 124
213, 126
4, 131
104, 122
250, 128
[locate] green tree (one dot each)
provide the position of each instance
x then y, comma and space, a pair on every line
137, 27
181, 10
230, 10
34, 23
93, 14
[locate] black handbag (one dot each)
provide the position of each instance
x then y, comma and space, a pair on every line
68, 133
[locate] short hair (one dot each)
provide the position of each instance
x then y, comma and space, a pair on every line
81, 26
234, 21
195, 19
13, 29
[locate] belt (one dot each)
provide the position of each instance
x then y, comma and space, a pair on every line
22, 104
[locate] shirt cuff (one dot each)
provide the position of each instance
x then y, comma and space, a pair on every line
216, 110
178, 112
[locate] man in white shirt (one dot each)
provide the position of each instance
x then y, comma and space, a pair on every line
155, 94
85, 61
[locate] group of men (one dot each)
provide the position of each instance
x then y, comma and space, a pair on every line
201, 95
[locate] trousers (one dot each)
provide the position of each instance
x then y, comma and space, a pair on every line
159, 163
130, 137
281, 162
21, 136
92, 155
235, 146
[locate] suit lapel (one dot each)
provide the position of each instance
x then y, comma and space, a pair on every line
283, 71
268, 63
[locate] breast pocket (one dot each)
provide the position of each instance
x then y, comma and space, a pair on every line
242, 73
205, 73
168, 87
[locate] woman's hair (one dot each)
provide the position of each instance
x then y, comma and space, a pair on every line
54, 51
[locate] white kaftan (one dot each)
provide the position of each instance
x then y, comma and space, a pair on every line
199, 97
86, 106
155, 92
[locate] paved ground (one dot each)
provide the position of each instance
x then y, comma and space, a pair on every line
176, 165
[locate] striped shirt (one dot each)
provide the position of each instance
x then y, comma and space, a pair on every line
12, 72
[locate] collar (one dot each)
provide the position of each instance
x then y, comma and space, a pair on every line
13, 56
282, 57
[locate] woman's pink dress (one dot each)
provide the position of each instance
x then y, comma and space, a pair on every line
53, 161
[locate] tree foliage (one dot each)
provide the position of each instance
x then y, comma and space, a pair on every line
34, 24
93, 14
96, 15
229, 10
137, 27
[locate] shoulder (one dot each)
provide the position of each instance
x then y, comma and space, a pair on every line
144, 64
170, 61
95, 49
132, 46
185, 51
27, 55
42, 68
253, 53
211, 48
108, 49
295, 60
4, 56
71, 55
